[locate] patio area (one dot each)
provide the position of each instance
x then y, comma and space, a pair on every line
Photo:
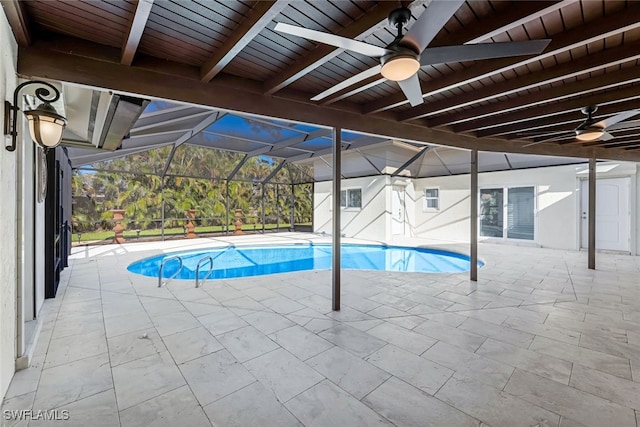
539, 340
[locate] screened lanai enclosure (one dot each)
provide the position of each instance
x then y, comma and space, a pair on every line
180, 163
180, 166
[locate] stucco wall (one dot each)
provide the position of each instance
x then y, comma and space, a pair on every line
8, 185
557, 202
370, 222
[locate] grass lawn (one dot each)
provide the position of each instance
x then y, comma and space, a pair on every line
168, 232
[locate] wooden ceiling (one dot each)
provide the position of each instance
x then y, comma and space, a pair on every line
225, 54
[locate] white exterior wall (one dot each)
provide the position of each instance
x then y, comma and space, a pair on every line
8, 192
370, 222
557, 202
411, 208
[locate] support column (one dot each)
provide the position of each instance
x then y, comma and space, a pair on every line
162, 207
226, 227
592, 214
293, 208
263, 212
336, 184
473, 216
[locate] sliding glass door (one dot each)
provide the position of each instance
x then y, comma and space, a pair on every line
491, 212
519, 211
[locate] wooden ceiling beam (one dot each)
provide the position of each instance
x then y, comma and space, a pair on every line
599, 29
66, 67
571, 119
517, 14
557, 93
257, 19
609, 103
136, 28
372, 20
586, 64
18, 20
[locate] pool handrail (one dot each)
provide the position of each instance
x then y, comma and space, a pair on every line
164, 261
205, 258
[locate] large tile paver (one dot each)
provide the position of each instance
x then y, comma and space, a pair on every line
398, 339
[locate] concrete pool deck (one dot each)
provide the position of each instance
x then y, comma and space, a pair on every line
539, 340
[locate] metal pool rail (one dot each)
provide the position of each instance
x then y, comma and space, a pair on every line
164, 261
202, 260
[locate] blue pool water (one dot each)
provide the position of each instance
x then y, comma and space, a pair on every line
230, 262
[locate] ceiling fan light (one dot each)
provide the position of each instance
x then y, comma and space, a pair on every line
590, 134
400, 68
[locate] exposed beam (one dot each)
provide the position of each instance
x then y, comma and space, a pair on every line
33, 61
571, 118
517, 14
586, 64
274, 172
18, 20
97, 157
358, 143
610, 80
411, 160
372, 20
212, 118
599, 29
205, 123
364, 156
169, 159
183, 118
238, 167
506, 158
435, 151
146, 115
257, 19
291, 141
618, 95
136, 28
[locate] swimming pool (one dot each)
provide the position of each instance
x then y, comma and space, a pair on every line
230, 262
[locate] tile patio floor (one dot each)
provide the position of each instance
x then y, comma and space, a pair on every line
539, 340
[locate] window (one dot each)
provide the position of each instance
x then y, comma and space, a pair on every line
431, 198
351, 198
520, 214
519, 210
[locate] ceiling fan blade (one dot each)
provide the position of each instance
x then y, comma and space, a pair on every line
625, 125
429, 24
412, 90
606, 137
468, 52
333, 40
557, 136
615, 119
350, 81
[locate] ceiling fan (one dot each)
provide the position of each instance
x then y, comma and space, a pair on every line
403, 57
591, 130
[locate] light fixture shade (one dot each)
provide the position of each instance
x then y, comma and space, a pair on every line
46, 125
400, 68
590, 134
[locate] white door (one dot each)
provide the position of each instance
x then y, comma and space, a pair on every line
397, 211
612, 214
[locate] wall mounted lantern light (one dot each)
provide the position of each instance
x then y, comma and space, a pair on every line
45, 124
